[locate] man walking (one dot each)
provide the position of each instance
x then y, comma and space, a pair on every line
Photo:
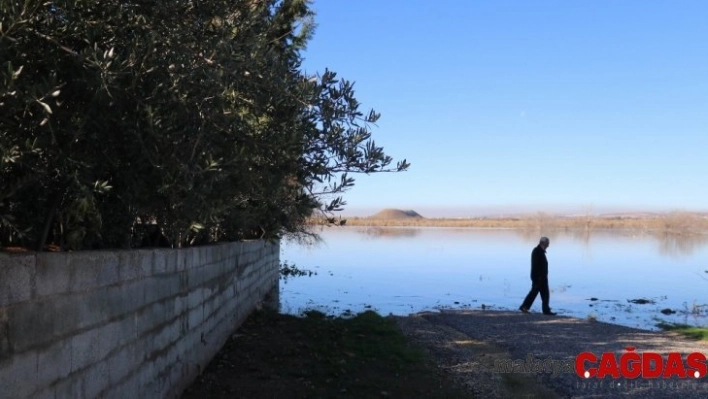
539, 279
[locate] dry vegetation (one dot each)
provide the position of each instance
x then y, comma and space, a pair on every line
672, 223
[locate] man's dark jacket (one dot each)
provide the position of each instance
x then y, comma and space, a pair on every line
539, 266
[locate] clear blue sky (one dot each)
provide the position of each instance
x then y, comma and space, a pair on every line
526, 105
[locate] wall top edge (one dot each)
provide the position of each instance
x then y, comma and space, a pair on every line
120, 250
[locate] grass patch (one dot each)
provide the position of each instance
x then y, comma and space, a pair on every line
700, 333
317, 356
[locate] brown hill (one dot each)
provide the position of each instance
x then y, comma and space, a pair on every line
388, 214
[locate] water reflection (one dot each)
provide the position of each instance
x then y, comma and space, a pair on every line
390, 232
680, 245
668, 244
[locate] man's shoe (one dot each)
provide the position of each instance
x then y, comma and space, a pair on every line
523, 309
550, 313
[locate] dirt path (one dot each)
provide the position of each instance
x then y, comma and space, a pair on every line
468, 343
470, 362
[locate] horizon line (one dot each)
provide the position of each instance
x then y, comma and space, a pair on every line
456, 212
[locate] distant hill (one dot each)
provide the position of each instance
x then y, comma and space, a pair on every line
388, 214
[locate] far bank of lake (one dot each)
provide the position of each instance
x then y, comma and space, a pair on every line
674, 223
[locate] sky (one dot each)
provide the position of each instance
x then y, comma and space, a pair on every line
524, 106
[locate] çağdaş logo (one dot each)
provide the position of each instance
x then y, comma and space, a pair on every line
632, 364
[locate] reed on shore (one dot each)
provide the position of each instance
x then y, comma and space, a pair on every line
672, 223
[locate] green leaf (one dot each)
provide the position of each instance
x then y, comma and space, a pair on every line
46, 106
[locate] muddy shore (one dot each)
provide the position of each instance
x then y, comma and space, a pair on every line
471, 346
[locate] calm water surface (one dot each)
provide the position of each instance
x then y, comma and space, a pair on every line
407, 270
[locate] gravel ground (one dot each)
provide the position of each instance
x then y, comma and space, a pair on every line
467, 344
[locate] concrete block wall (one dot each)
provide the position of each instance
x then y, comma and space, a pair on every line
124, 324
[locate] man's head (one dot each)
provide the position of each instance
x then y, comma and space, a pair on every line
544, 242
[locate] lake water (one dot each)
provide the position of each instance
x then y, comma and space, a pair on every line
406, 270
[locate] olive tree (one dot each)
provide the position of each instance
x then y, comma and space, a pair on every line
190, 121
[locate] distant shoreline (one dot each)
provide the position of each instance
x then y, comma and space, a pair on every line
671, 223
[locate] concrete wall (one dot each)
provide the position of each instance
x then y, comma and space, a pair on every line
124, 324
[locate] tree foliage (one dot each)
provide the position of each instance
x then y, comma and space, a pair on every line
192, 121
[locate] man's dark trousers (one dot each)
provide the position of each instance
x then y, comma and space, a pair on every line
536, 288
